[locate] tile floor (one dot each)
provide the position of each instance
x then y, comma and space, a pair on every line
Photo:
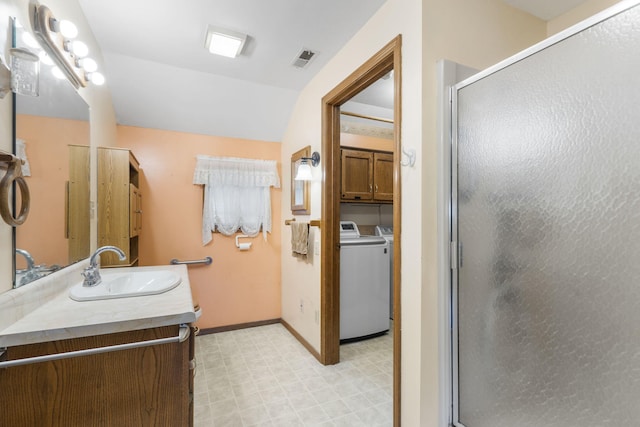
264, 377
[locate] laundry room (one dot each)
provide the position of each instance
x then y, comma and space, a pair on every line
366, 215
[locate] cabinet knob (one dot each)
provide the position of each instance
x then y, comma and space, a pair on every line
376, 188
370, 188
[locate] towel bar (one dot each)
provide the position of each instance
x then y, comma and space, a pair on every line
208, 260
183, 334
312, 223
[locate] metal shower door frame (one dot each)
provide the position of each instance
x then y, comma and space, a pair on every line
456, 250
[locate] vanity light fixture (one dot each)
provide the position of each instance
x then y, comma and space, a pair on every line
224, 42
57, 39
304, 169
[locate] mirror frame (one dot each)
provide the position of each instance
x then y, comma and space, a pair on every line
299, 207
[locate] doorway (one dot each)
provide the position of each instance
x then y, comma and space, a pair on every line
384, 61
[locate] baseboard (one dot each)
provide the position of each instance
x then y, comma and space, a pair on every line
302, 341
228, 328
289, 328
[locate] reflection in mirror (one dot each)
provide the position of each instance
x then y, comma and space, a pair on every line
299, 189
52, 135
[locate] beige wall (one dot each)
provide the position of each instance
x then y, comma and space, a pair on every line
476, 33
239, 287
584, 11
364, 141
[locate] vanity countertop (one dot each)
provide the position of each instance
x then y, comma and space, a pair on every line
59, 317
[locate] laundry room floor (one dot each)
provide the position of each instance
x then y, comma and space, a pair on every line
264, 377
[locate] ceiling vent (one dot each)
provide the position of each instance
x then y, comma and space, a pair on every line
304, 57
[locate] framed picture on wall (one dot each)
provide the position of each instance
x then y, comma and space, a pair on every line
299, 189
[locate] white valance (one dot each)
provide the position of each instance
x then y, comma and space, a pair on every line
237, 194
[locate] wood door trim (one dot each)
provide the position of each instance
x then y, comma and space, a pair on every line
387, 59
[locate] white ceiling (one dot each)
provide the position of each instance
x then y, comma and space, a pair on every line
161, 76
545, 9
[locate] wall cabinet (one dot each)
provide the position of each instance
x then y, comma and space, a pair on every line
78, 203
142, 386
119, 204
367, 176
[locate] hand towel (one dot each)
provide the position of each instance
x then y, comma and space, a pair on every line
300, 238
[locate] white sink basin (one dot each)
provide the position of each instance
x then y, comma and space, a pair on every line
129, 284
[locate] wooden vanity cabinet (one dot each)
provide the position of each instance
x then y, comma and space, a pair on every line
144, 386
119, 205
367, 176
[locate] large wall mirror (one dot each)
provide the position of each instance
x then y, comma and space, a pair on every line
52, 135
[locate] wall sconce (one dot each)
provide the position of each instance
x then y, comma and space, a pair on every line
56, 37
23, 77
224, 42
304, 170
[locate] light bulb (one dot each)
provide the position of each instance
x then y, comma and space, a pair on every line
57, 73
96, 78
89, 65
79, 49
68, 29
304, 172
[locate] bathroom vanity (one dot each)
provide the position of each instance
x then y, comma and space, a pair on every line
145, 380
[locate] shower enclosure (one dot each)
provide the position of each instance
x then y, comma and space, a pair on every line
546, 233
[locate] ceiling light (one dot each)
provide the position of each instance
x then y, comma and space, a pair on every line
224, 42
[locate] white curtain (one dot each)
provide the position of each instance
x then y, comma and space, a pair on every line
237, 194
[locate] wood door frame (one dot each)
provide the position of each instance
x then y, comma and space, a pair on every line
387, 59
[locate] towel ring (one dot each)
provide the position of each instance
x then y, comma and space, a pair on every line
14, 174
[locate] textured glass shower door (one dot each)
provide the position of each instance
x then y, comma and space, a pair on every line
547, 201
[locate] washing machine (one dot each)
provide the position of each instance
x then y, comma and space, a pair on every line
364, 285
386, 231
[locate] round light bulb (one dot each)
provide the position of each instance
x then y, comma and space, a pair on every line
45, 59
57, 73
68, 29
97, 79
79, 49
89, 65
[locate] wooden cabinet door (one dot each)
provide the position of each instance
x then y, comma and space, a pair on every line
383, 176
357, 175
78, 211
143, 386
135, 210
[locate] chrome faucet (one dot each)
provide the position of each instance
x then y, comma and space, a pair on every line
31, 272
92, 273
30, 262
